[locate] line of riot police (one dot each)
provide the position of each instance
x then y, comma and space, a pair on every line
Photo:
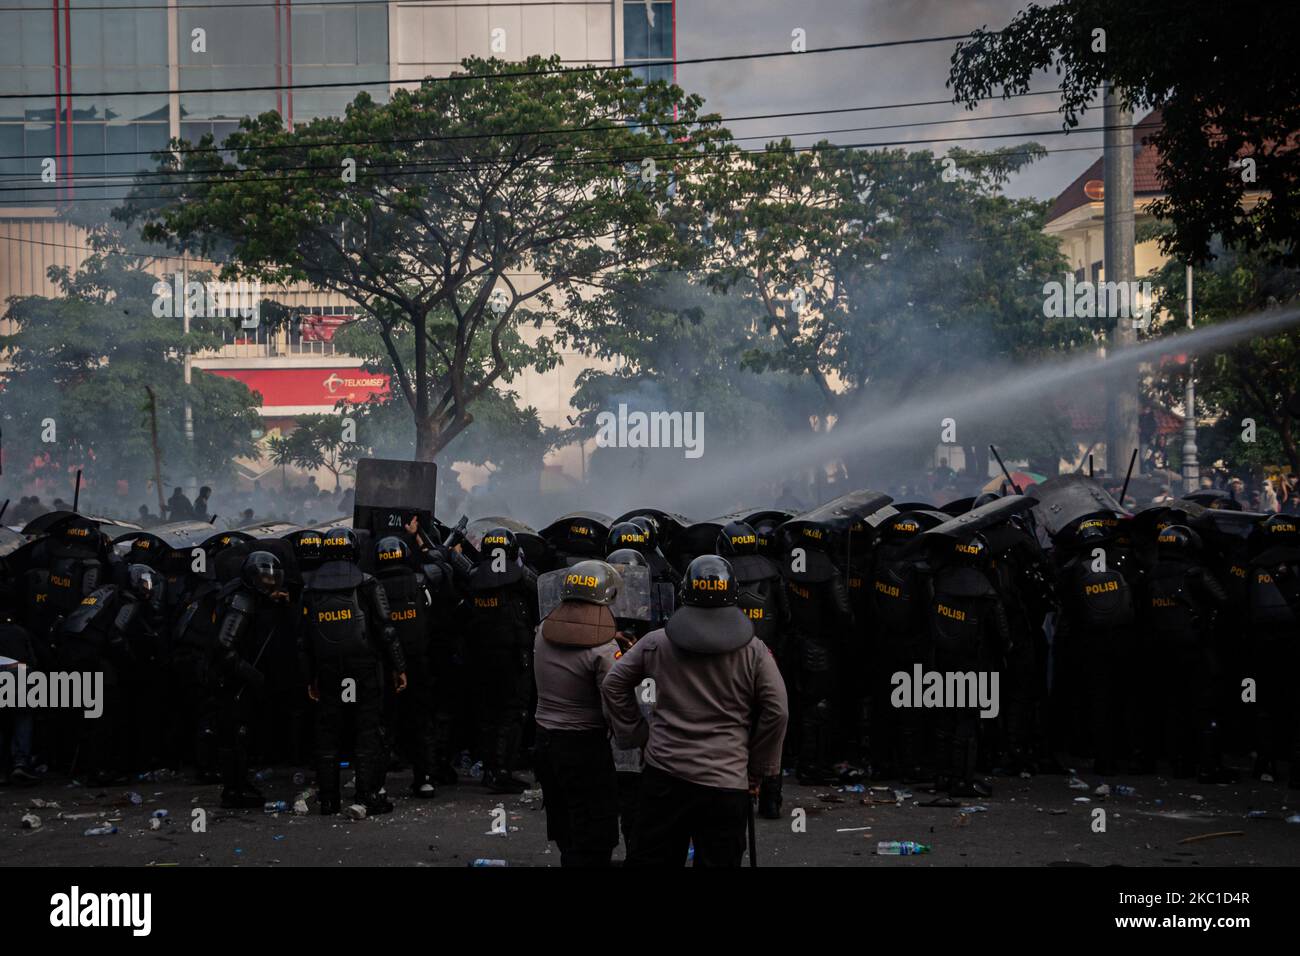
1167, 635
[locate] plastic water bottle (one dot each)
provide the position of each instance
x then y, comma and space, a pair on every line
901, 848
106, 830
276, 806
485, 862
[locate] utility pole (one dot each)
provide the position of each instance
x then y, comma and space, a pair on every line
192, 485
1191, 467
1122, 409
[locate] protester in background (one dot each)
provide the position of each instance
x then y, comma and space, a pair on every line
179, 507
201, 503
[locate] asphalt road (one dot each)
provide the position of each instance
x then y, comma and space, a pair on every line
1033, 822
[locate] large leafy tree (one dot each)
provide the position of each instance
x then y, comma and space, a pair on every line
882, 275
1256, 379
1225, 80
457, 210
83, 359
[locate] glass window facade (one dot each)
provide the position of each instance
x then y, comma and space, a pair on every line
276, 46
648, 34
120, 47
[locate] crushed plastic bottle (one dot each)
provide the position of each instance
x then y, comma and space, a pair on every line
160, 814
276, 806
1123, 790
901, 848
135, 798
31, 821
853, 788
483, 861
476, 771
106, 830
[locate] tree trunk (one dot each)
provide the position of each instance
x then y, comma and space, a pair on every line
427, 440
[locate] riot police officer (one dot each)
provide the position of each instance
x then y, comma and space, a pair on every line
248, 619
715, 728
501, 606
1097, 618
574, 650
902, 628
348, 636
820, 622
94, 639
641, 534
410, 604
762, 599
968, 633
1182, 598
1273, 588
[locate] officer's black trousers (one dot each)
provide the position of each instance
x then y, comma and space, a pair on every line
367, 709
576, 771
675, 813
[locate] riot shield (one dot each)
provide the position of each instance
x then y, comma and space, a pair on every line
985, 516
389, 493
1065, 499
578, 533
633, 602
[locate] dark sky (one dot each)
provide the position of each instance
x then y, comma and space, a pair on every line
863, 78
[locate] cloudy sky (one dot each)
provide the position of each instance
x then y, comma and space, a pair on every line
866, 77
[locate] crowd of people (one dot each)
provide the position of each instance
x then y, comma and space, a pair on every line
853, 641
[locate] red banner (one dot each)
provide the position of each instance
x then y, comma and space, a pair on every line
322, 387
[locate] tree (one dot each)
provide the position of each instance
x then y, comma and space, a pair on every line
1225, 83
281, 452
322, 441
883, 275
80, 363
455, 212
1257, 379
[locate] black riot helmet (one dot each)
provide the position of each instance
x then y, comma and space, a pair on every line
765, 535
627, 556
1280, 530
593, 582
902, 527
1095, 531
340, 544
82, 533
143, 581
709, 582
627, 534
973, 553
392, 552
983, 499
306, 547
736, 537
1177, 540
142, 551
262, 572
501, 539
651, 526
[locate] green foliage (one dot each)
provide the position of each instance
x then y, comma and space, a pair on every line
83, 359
1258, 378
1225, 82
479, 203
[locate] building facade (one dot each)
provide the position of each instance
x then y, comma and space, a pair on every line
105, 83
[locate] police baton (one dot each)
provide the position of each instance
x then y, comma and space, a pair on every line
753, 842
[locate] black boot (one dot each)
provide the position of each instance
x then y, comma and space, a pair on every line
498, 776
327, 783
236, 791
